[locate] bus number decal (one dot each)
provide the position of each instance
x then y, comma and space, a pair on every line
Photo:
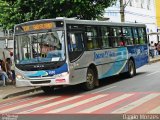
51, 72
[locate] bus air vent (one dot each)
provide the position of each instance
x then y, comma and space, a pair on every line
40, 82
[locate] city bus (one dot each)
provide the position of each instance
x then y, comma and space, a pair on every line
51, 53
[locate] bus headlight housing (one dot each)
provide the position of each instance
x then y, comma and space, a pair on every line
18, 76
65, 74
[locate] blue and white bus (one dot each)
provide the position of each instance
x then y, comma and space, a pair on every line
64, 51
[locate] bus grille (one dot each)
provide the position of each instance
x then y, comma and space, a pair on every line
40, 82
37, 76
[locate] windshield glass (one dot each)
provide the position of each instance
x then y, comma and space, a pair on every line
39, 47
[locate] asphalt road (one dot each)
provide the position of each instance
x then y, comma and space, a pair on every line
115, 98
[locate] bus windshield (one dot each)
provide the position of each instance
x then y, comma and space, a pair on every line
40, 47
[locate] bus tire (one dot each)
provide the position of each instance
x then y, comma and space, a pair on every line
47, 89
91, 79
131, 68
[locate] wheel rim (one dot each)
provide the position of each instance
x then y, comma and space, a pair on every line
131, 67
90, 80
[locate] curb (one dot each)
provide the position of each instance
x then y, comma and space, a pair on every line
153, 61
21, 93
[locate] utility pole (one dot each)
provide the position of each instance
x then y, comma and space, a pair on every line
122, 9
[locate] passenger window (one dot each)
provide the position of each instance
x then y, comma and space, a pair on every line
142, 37
127, 35
75, 43
92, 37
105, 39
135, 35
116, 37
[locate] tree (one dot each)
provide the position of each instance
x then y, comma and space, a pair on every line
26, 10
4, 8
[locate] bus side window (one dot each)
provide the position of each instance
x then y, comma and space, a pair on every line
105, 37
142, 37
92, 37
89, 43
75, 42
110, 37
127, 35
116, 37
135, 35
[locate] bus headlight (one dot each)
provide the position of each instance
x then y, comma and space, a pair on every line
19, 76
65, 74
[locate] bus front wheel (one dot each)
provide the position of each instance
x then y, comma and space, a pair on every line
91, 79
48, 89
131, 69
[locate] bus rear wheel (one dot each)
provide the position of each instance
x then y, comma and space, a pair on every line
91, 79
48, 89
131, 69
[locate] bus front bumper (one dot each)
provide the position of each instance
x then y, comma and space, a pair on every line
43, 82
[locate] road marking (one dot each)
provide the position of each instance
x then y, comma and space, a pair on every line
153, 73
107, 103
104, 89
76, 104
146, 107
155, 111
0, 97
28, 104
135, 104
91, 103
49, 105
15, 102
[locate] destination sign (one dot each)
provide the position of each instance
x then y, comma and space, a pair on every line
39, 26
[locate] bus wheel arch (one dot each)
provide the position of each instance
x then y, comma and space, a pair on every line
91, 78
131, 68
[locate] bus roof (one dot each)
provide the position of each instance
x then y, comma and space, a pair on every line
80, 21
96, 22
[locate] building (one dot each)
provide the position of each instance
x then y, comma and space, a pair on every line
2, 40
137, 11
158, 14
157, 3
6, 39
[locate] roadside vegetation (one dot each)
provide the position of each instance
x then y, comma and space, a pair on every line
16, 11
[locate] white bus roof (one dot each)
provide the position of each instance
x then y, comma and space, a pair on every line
88, 22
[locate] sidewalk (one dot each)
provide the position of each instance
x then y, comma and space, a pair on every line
155, 59
10, 90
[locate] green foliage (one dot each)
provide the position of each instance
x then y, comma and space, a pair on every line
17, 11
